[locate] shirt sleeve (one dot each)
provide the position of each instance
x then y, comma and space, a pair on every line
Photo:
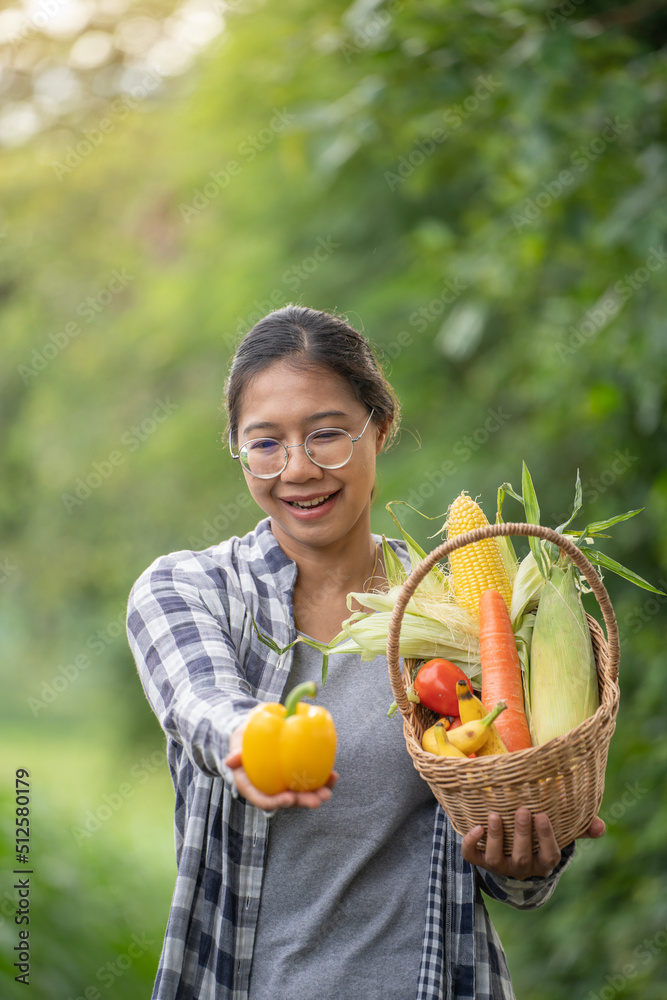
529, 893
188, 666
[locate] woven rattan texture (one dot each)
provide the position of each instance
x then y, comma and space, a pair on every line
563, 778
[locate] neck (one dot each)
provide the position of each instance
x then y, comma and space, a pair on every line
327, 574
352, 563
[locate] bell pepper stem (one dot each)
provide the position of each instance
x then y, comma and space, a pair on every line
306, 690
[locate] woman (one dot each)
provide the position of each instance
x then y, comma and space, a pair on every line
360, 888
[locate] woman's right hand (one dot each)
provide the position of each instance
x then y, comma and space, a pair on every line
284, 800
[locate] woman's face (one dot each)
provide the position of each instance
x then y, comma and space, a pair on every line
287, 404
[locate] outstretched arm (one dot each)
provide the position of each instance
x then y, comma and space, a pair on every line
188, 665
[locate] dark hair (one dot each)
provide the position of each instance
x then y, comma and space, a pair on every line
308, 338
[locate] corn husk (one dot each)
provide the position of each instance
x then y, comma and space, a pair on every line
526, 590
433, 623
523, 636
563, 678
395, 571
440, 606
421, 638
508, 555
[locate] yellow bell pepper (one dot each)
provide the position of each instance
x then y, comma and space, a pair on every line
290, 746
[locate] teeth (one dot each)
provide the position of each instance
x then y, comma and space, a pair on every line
310, 503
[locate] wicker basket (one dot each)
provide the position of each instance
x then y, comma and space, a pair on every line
564, 777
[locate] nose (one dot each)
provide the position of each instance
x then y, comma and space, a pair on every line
299, 467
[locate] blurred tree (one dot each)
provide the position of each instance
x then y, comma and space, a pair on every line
481, 187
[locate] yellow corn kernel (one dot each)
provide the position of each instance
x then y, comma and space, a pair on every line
478, 567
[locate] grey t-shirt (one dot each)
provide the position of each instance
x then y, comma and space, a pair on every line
344, 892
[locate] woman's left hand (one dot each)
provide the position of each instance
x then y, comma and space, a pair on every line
521, 863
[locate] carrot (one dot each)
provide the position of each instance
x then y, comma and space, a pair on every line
501, 670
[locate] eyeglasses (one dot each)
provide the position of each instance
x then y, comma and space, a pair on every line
328, 447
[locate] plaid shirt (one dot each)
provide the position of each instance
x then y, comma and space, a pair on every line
203, 670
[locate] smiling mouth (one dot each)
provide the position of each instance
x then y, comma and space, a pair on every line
309, 504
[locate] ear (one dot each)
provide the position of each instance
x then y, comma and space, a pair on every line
382, 434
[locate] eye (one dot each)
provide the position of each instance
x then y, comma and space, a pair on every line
326, 435
264, 446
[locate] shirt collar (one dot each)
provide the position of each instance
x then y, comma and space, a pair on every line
279, 571
276, 569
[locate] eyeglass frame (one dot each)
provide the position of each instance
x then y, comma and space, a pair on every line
288, 448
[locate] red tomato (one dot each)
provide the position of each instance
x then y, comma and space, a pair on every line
435, 684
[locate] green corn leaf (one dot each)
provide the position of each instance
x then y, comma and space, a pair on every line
414, 548
600, 559
433, 580
323, 647
586, 537
507, 550
576, 506
506, 488
336, 639
271, 643
596, 527
532, 508
530, 503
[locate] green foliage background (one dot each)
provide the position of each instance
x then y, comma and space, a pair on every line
481, 187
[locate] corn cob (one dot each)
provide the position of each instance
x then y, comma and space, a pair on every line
479, 567
563, 675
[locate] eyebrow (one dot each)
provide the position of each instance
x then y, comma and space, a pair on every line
262, 425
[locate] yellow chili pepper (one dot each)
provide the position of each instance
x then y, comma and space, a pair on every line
290, 746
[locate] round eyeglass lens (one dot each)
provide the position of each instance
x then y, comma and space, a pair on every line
329, 447
263, 457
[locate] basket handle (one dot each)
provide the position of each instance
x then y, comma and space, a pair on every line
468, 538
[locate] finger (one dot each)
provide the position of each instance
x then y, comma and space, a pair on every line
522, 844
318, 796
548, 854
470, 848
283, 800
494, 842
233, 759
257, 798
597, 829
313, 800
